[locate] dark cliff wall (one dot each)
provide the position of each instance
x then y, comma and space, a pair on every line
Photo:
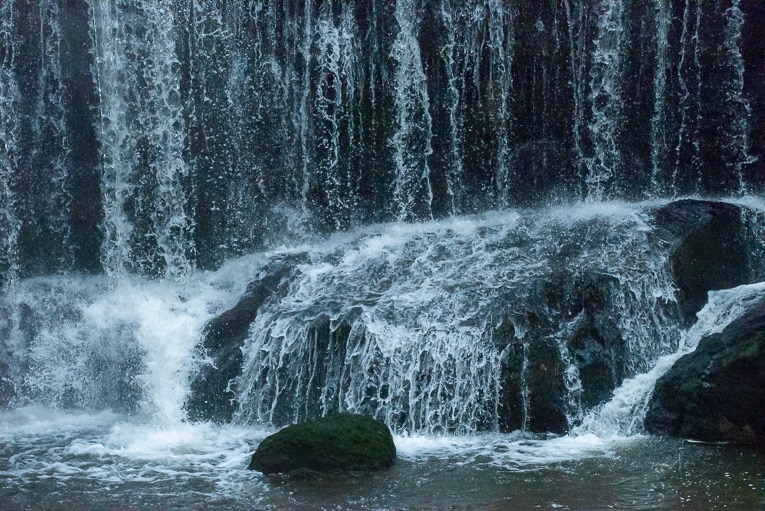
151, 137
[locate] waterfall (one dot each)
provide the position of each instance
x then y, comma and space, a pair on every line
689, 101
34, 117
337, 100
659, 142
456, 121
413, 194
146, 228
607, 101
9, 96
735, 99
624, 412
417, 324
492, 225
434, 157
157, 139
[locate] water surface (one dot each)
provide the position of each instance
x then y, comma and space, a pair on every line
56, 461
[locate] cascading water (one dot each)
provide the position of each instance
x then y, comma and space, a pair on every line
434, 174
607, 101
141, 132
410, 323
8, 96
413, 194
623, 413
157, 138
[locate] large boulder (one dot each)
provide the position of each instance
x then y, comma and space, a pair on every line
213, 390
710, 250
337, 443
717, 392
571, 324
562, 343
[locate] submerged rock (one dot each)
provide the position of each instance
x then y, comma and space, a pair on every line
717, 392
336, 443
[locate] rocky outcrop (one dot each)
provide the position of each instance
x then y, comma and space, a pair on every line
710, 250
717, 392
213, 390
573, 327
336, 443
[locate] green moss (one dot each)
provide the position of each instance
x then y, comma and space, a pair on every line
337, 443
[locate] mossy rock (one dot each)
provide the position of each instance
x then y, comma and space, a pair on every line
336, 443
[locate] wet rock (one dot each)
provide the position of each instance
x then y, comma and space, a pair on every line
572, 331
710, 250
336, 443
536, 398
717, 392
563, 348
213, 390
571, 325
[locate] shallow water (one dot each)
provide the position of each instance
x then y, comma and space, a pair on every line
50, 460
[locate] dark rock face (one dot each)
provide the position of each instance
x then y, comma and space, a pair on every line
717, 392
711, 250
213, 393
336, 443
534, 366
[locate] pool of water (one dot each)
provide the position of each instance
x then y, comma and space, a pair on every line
55, 461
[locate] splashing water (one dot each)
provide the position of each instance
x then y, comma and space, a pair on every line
397, 320
147, 141
142, 137
623, 414
401, 322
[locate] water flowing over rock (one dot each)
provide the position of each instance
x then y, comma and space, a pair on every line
511, 321
489, 225
212, 395
717, 392
160, 140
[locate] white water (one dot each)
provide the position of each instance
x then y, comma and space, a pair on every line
623, 414
9, 225
417, 299
607, 101
412, 140
420, 305
135, 121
